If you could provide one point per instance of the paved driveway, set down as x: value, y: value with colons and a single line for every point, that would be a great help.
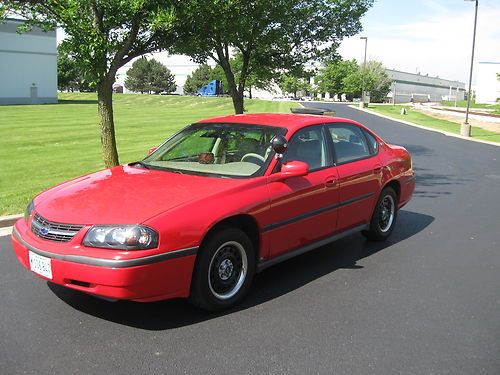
x: 426, y: 302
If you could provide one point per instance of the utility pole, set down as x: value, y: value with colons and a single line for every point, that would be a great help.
x: 362, y: 104
x: 465, y: 127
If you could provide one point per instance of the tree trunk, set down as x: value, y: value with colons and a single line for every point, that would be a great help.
x: 237, y: 101
x: 236, y: 95
x: 106, y: 121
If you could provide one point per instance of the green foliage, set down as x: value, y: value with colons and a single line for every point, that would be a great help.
x: 331, y: 77
x: 201, y: 76
x: 258, y: 78
x: 149, y: 76
x: 160, y: 78
x: 69, y: 74
x: 376, y: 81
x: 137, y: 76
x: 271, y: 36
x: 102, y: 36
x: 292, y: 84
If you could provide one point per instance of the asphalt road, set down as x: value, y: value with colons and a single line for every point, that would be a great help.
x: 426, y: 302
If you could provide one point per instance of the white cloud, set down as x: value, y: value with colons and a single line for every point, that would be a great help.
x: 439, y: 45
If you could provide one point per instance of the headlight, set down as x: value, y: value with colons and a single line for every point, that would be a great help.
x: 124, y: 237
x: 28, y: 211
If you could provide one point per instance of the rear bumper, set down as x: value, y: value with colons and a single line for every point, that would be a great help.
x: 407, y: 189
x: 141, y: 279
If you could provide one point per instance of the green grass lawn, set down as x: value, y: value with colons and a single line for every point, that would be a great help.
x: 473, y: 104
x: 42, y: 145
x: 431, y: 122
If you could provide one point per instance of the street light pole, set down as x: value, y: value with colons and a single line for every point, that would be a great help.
x: 362, y: 104
x: 465, y: 127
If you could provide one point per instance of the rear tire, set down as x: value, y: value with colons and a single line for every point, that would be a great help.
x: 224, y: 270
x: 384, y: 216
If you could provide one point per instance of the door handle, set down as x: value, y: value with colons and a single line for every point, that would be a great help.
x: 377, y: 169
x: 330, y: 181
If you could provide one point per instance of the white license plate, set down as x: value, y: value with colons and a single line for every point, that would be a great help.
x: 40, y: 265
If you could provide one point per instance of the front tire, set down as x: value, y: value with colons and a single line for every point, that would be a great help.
x: 224, y: 270
x: 384, y: 216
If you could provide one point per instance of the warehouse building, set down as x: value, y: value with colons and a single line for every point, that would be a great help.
x: 28, y: 65
x: 411, y: 87
x: 488, y: 83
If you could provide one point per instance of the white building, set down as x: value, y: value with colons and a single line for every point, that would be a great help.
x: 28, y: 65
x: 411, y: 87
x: 488, y: 83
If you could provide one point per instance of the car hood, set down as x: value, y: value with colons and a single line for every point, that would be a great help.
x: 125, y: 195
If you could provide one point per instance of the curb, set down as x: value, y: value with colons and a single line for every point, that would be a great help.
x: 8, y: 221
x: 426, y: 128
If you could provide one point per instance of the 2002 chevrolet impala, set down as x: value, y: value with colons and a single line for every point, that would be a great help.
x: 217, y: 202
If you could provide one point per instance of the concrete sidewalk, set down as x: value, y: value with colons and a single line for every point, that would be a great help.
x: 9, y: 220
x: 6, y: 223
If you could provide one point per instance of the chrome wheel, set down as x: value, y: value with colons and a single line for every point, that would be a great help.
x: 387, y: 209
x: 228, y: 270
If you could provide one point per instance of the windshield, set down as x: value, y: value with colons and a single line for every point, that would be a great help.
x: 224, y: 150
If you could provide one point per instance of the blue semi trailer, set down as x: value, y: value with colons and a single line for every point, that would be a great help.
x: 212, y: 88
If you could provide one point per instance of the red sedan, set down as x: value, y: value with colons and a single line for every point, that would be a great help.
x: 216, y: 203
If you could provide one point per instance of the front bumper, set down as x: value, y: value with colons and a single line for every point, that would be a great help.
x: 155, y: 277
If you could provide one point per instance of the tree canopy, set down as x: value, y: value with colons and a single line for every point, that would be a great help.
x: 271, y: 36
x: 291, y: 84
x: 376, y: 81
x: 331, y: 77
x: 150, y: 76
x: 103, y: 36
x: 199, y: 77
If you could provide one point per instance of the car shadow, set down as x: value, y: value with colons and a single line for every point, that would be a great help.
x: 270, y: 284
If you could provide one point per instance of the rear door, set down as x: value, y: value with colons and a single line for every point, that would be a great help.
x: 304, y: 209
x: 359, y: 174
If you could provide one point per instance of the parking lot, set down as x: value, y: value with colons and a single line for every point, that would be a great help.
x: 425, y: 302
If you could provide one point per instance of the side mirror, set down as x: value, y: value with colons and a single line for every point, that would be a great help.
x: 292, y: 168
x: 151, y: 150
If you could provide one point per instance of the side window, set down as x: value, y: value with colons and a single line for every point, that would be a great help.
x: 349, y: 143
x: 372, y: 142
x: 308, y: 145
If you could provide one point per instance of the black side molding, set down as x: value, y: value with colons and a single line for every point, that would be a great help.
x: 304, y: 249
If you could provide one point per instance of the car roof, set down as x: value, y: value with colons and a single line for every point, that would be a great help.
x: 288, y: 121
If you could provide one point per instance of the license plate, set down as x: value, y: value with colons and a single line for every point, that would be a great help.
x: 40, y: 265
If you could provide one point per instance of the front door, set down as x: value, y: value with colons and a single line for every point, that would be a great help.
x: 304, y: 209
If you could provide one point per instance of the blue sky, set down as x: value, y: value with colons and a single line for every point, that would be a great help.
x: 428, y: 36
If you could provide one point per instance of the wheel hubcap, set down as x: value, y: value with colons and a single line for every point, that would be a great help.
x: 386, y: 213
x: 228, y: 270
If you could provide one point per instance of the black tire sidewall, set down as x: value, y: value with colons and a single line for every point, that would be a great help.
x: 375, y: 232
x: 201, y: 295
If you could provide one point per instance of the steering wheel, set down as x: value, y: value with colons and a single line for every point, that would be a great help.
x: 253, y: 155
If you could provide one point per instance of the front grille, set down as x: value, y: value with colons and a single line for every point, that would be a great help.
x: 52, y: 231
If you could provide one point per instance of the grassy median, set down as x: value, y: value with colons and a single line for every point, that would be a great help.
x: 463, y: 103
x: 430, y: 122
x: 43, y: 145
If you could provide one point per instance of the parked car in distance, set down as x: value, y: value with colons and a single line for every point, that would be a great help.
x: 219, y: 201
